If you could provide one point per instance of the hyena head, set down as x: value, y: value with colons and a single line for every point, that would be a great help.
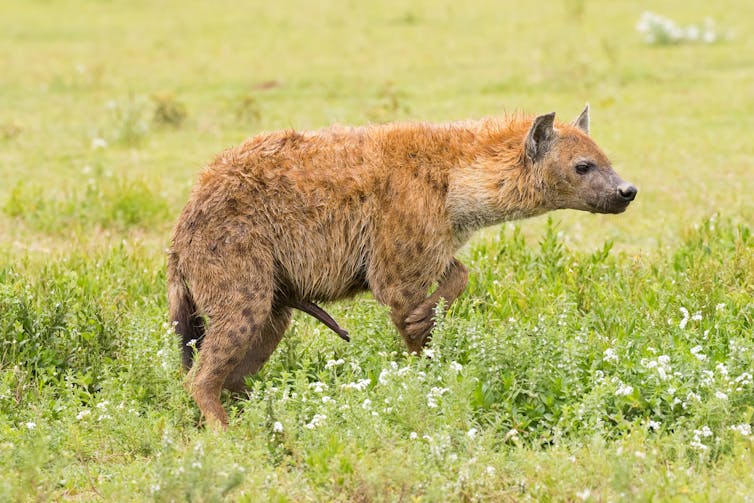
x: 573, y: 170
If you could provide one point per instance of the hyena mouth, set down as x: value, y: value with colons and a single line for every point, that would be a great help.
x: 616, y: 202
x: 613, y: 206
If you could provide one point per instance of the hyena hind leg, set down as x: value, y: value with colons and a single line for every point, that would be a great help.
x: 259, y: 349
x: 231, y: 331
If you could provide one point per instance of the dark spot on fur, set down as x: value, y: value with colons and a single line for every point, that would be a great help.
x: 233, y: 360
x: 247, y: 313
x: 418, y: 248
x: 217, y: 371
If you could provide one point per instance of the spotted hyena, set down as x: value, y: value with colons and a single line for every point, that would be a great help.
x: 291, y: 218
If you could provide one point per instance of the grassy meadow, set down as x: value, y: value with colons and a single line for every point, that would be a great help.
x: 592, y: 358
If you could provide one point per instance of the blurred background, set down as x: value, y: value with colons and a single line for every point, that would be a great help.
x: 108, y: 110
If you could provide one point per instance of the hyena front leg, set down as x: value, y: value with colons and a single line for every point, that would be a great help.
x: 404, y: 290
x: 420, y: 321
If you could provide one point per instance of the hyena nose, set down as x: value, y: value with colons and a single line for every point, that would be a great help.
x: 627, y: 191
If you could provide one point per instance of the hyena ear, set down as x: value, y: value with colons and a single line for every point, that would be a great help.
x: 582, y: 121
x: 540, y: 136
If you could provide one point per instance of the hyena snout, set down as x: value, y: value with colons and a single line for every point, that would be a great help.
x: 627, y: 192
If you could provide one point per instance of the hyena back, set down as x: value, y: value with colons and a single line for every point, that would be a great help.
x: 289, y: 219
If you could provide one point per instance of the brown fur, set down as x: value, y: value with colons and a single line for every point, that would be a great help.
x: 291, y: 218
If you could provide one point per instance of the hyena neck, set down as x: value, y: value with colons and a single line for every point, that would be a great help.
x: 495, y: 187
x: 476, y: 201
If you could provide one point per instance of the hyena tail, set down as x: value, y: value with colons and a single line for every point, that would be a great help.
x: 187, y: 323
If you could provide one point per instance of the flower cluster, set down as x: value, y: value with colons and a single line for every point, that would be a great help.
x: 659, y: 30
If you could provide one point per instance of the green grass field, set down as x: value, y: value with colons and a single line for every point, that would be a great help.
x: 600, y: 358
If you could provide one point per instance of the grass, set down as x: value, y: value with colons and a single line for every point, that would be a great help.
x: 591, y: 358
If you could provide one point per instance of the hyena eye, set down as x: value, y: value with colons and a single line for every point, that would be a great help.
x: 583, y: 168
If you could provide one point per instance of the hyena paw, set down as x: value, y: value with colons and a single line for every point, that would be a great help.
x: 419, y: 322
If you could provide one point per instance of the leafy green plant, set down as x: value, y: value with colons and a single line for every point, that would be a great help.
x: 168, y: 111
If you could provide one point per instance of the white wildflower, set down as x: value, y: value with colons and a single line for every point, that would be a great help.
x: 743, y: 429
x: 744, y: 379
x: 413, y: 435
x: 653, y: 425
x: 697, y: 352
x: 434, y: 394
x: 98, y: 143
x: 490, y: 471
x: 359, y: 385
x: 697, y: 444
x: 334, y: 363
x: 366, y: 404
x: 318, y: 387
x: 685, y: 319
x: 662, y: 373
x: 624, y: 389
x: 30, y: 425
x: 277, y: 427
x: 708, y: 377
x: 610, y: 355
x: 317, y: 420
x: 721, y: 395
x: 455, y: 366
x: 384, y: 374
x: 584, y: 495
x: 722, y: 369
x: 82, y: 414
x: 471, y: 433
